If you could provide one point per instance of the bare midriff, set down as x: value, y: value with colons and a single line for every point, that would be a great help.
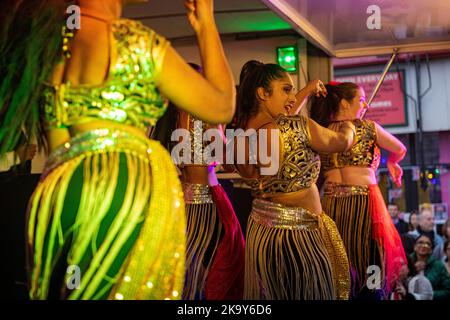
x: 307, y: 198
x: 352, y: 175
x: 199, y: 175
x: 101, y: 124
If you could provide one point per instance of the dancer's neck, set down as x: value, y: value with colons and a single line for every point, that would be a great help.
x: 104, y: 9
x: 344, y: 118
x: 345, y: 115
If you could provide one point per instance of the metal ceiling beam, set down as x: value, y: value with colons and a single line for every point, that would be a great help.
x: 423, y: 47
x: 300, y: 24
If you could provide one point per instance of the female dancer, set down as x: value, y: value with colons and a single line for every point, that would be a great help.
x: 293, y: 251
x: 351, y: 194
x: 109, y: 206
x: 215, y: 244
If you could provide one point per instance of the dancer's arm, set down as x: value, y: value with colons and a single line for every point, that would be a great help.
x: 315, y: 87
x: 56, y: 137
x: 326, y: 140
x: 210, y: 98
x: 396, y: 150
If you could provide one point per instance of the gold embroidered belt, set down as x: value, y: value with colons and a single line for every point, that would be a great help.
x: 195, y: 193
x: 98, y: 141
x: 276, y: 215
x: 334, y: 189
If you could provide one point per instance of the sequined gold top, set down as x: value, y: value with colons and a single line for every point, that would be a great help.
x: 129, y: 94
x: 364, y: 152
x: 299, y: 164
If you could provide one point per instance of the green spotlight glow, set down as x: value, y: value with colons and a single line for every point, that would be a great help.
x: 287, y: 58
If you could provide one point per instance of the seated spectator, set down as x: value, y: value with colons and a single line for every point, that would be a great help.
x: 435, y: 271
x: 401, y: 226
x: 426, y: 227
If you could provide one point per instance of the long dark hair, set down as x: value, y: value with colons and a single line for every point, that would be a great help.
x: 411, y: 227
x: 30, y: 46
x: 254, y: 74
x: 412, y: 269
x: 323, y: 109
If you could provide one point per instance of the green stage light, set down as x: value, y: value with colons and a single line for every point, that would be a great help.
x: 287, y: 58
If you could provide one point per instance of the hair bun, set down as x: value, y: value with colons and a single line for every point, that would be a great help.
x: 249, y: 67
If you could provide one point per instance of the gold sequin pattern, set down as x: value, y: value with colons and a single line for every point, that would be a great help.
x: 156, y: 265
x: 95, y: 141
x: 299, y: 164
x: 154, y: 268
x: 364, y: 152
x: 128, y: 96
x: 275, y: 215
x: 334, y: 189
x: 338, y: 257
x: 196, y: 193
x: 196, y: 130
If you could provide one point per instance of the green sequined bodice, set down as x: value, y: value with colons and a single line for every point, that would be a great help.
x: 129, y: 94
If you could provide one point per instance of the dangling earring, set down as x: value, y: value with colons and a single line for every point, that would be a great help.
x: 67, y: 35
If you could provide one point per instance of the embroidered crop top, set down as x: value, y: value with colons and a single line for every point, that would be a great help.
x: 299, y: 165
x: 197, y: 144
x: 364, y: 152
x: 129, y: 94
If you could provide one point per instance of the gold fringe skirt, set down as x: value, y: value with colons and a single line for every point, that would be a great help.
x: 109, y: 208
x: 348, y: 206
x: 292, y: 253
x: 203, y: 236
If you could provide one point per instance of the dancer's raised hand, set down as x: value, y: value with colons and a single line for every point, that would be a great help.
x: 200, y: 13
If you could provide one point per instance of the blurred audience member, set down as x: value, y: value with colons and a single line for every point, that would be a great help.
x: 433, y: 269
x: 401, y: 226
x: 426, y: 227
x: 447, y: 255
x: 446, y: 230
x: 411, y: 285
x: 408, y: 243
x: 413, y: 220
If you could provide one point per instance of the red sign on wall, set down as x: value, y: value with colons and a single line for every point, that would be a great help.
x: 388, y: 108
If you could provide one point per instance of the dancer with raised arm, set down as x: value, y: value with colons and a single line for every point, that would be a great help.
x: 107, y: 219
x: 351, y: 194
x: 215, y: 243
x: 293, y: 250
